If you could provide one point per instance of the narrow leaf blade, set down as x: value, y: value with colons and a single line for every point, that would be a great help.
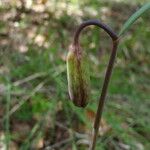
x: 134, y: 17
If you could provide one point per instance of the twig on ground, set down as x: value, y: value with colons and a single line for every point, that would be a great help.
x: 29, y: 78
x: 59, y: 144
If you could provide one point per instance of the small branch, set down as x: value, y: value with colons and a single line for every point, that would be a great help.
x: 59, y: 144
x: 16, y: 107
x: 29, y: 78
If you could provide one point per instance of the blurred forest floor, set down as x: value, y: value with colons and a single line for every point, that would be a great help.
x: 35, y: 110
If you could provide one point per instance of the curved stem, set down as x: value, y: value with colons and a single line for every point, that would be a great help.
x: 111, y: 33
x: 115, y: 41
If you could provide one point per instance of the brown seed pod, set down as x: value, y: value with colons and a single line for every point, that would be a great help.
x: 78, y: 77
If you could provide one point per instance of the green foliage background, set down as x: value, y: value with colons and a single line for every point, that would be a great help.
x: 33, y: 84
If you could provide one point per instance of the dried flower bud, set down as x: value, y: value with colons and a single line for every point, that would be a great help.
x: 78, y: 77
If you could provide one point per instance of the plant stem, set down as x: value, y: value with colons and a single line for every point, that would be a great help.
x: 115, y: 41
x: 7, y: 121
x: 103, y: 94
x: 98, y: 23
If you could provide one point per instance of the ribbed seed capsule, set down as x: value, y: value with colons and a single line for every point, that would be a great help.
x: 78, y: 78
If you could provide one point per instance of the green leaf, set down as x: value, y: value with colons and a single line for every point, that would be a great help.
x: 134, y: 17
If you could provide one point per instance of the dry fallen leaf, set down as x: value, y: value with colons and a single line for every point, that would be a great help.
x: 104, y: 126
x: 21, y: 130
x: 12, y: 145
x: 39, y: 144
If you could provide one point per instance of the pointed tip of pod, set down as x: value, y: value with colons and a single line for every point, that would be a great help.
x: 78, y: 78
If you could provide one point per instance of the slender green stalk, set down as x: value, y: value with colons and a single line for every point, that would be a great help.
x: 7, y: 121
x: 134, y: 17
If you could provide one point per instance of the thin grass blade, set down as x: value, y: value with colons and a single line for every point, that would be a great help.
x: 134, y: 17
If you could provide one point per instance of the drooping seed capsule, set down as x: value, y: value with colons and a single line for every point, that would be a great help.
x: 78, y: 77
